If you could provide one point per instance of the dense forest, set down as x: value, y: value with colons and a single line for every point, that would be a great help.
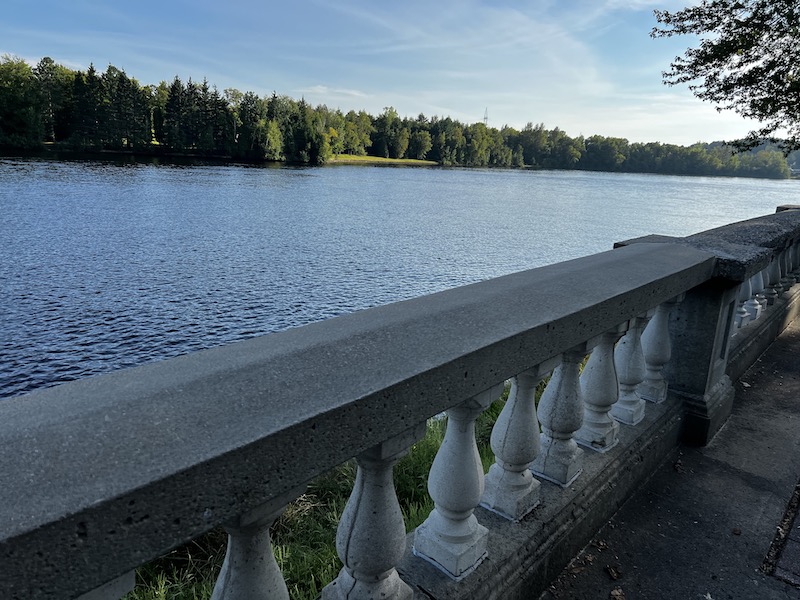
x: 50, y: 105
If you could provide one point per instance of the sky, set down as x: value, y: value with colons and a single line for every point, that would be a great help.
x: 585, y: 66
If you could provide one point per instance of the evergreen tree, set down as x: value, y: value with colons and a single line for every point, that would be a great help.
x: 88, y: 110
x: 173, y: 128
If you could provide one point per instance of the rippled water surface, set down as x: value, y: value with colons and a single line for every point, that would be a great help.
x: 106, y: 266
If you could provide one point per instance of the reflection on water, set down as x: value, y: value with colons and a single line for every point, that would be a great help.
x: 107, y: 266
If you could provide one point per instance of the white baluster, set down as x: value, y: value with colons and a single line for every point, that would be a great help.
x: 629, y: 358
x: 561, y: 415
x: 742, y: 315
x: 657, y: 349
x: 599, y: 388
x: 451, y: 537
x: 791, y: 278
x: 250, y: 570
x: 786, y: 278
x: 510, y: 489
x: 774, y: 288
x: 790, y: 266
x: 371, y: 537
x: 762, y: 297
x: 757, y: 282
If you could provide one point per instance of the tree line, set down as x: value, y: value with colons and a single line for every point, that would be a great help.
x: 50, y: 104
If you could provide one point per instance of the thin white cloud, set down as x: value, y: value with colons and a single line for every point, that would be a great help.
x: 324, y: 90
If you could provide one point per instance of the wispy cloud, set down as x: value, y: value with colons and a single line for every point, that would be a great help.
x: 324, y: 90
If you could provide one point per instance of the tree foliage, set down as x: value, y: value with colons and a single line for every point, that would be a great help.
x: 20, y: 104
x: 111, y: 111
x: 747, y: 60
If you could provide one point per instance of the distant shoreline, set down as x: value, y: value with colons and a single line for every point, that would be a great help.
x: 352, y: 159
x: 61, y: 153
x: 156, y: 155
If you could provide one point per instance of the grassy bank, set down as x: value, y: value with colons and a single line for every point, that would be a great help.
x: 304, y: 536
x: 353, y: 159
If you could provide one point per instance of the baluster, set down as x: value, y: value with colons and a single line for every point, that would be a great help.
x: 561, y: 414
x: 371, y: 537
x: 774, y: 288
x: 511, y: 490
x: 791, y: 278
x: 757, y: 282
x: 451, y: 537
x: 752, y: 305
x: 742, y: 315
x: 796, y: 261
x: 250, y: 569
x: 763, y: 277
x: 629, y: 359
x: 789, y: 254
x: 600, y: 392
x: 657, y: 349
x: 786, y: 279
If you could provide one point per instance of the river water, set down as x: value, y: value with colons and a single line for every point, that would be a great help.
x: 109, y: 265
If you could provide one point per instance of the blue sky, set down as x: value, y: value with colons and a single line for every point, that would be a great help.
x: 586, y: 66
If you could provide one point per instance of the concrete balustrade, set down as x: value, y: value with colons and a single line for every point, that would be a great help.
x: 119, y: 469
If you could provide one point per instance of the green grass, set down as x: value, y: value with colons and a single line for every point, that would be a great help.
x: 304, y: 536
x: 379, y: 160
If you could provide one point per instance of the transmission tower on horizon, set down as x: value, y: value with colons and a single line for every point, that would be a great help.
x: 486, y: 117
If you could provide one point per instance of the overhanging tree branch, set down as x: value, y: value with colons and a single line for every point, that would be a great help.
x: 747, y: 60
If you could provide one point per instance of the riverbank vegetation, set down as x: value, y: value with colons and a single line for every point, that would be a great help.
x: 50, y: 106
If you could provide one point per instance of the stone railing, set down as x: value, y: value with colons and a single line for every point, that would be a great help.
x: 103, y: 475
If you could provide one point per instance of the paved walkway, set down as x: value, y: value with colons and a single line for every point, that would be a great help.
x: 705, y: 523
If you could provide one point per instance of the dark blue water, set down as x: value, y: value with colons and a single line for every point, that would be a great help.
x: 106, y: 266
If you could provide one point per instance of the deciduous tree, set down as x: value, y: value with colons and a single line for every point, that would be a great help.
x: 747, y: 60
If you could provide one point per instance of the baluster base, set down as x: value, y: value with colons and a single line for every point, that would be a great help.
x: 510, y: 495
x: 456, y: 559
x: 560, y: 461
x: 598, y: 439
x: 629, y: 412
x: 754, y: 309
x: 346, y: 586
x: 653, y: 391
